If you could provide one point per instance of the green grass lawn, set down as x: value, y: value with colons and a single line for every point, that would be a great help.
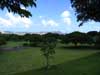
x: 14, y: 44
x: 67, y: 61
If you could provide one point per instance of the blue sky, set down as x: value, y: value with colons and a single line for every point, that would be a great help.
x: 48, y: 16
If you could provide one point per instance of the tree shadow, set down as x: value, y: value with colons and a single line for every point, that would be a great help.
x: 80, y: 47
x: 1, y: 51
x: 89, y: 65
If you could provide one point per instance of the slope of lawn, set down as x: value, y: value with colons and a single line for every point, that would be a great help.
x: 30, y: 61
x: 89, y: 65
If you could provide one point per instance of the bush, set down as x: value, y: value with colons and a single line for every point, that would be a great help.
x: 25, y: 44
x: 34, y: 44
x: 2, y: 41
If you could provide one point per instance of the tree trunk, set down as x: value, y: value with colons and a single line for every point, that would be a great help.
x: 47, y: 62
x: 75, y: 44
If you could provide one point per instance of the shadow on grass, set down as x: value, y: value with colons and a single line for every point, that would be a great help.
x: 84, y: 66
x: 1, y: 51
x: 80, y: 47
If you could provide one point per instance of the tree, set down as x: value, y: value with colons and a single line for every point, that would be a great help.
x: 55, y: 35
x: 65, y: 39
x: 35, y: 40
x: 2, y: 41
x: 93, y: 35
x: 97, y: 40
x: 87, y: 10
x: 47, y: 49
x: 15, y: 6
x: 77, y: 37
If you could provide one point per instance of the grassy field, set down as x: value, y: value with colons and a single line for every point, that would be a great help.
x: 68, y: 62
x: 13, y: 44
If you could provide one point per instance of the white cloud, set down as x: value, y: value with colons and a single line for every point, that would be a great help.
x: 52, y: 23
x: 67, y: 20
x: 49, y: 22
x: 40, y: 17
x: 26, y: 21
x: 14, y: 20
x: 66, y: 17
x: 65, y: 14
x: 5, y: 22
x: 43, y: 22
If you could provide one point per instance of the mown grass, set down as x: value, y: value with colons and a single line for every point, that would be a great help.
x: 89, y: 65
x: 68, y: 62
x: 14, y: 44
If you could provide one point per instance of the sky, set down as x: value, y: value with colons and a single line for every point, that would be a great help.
x: 48, y: 16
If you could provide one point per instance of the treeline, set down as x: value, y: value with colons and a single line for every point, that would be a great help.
x: 91, y: 38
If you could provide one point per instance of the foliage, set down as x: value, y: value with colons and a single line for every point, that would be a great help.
x: 15, y: 6
x: 2, y: 41
x: 93, y: 35
x: 77, y: 37
x: 54, y: 35
x: 86, y: 10
x: 35, y: 40
x: 47, y: 49
x: 25, y: 44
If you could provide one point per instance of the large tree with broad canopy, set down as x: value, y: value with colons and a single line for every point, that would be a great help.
x: 15, y: 6
x: 86, y: 10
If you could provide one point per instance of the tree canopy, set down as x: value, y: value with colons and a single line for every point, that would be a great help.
x: 86, y: 10
x: 15, y: 6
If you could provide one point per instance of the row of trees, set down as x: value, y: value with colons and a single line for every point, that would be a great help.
x: 91, y: 38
